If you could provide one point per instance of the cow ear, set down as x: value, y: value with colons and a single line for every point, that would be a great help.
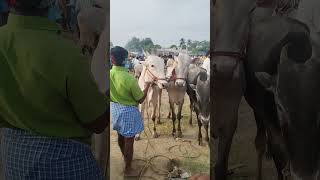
x: 266, y: 80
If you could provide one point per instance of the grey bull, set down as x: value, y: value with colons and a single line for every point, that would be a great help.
x: 233, y: 76
x: 177, y: 70
x: 198, y: 89
x: 296, y: 87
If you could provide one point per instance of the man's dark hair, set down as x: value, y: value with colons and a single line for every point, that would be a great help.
x: 119, y: 54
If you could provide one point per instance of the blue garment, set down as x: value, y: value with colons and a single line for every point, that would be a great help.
x: 54, y: 12
x: 126, y: 120
x: 30, y: 157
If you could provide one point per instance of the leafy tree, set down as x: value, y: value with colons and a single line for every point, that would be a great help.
x: 182, y: 42
x: 157, y: 46
x: 174, y: 46
x: 147, y: 44
x: 189, y: 42
x: 133, y: 45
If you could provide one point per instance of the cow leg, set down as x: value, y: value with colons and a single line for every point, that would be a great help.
x: 142, y: 108
x: 153, y: 117
x: 101, y: 149
x: 190, y: 118
x: 173, y: 119
x: 225, y: 111
x: 274, y: 145
x: 199, y: 133
x: 159, y: 106
x: 169, y: 115
x: 260, y: 143
x: 179, y: 119
x: 206, y: 127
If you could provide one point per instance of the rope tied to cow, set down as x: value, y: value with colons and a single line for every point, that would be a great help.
x: 154, y: 77
x: 149, y: 162
x: 174, y: 77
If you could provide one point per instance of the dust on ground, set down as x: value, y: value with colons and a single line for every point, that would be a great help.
x: 242, y: 150
x: 191, y: 157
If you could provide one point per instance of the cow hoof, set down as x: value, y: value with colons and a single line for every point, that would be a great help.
x: 200, y: 143
x: 180, y: 134
x: 137, y: 138
x: 158, y: 122
x: 155, y: 135
x: 174, y: 134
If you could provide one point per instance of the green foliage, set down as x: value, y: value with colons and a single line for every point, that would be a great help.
x: 195, y: 47
x: 174, y: 46
x: 182, y: 42
x: 135, y: 44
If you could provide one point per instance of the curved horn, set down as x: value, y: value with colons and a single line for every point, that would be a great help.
x: 299, y: 48
x: 296, y: 45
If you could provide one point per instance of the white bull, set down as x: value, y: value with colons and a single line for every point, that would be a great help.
x: 177, y: 71
x: 138, y: 68
x: 91, y: 22
x: 153, y: 71
x: 98, y: 69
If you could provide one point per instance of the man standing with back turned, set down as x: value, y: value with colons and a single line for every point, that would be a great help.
x: 125, y: 95
x: 50, y: 104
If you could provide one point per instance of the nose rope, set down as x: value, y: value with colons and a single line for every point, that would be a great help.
x: 154, y: 77
x: 173, y: 76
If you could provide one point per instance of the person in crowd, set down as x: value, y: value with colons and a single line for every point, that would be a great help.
x: 50, y: 104
x: 125, y: 96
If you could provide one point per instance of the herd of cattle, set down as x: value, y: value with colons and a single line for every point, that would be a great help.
x: 180, y: 75
x: 270, y: 55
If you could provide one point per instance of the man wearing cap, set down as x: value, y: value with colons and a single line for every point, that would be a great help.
x: 50, y: 104
x: 125, y: 95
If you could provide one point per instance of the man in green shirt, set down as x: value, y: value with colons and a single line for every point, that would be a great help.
x: 50, y: 104
x: 125, y: 95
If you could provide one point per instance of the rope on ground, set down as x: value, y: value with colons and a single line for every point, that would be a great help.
x: 186, y: 153
x: 149, y: 162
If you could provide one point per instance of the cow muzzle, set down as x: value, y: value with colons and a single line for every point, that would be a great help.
x: 180, y: 83
x: 162, y: 84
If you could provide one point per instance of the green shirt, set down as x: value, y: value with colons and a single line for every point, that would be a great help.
x: 124, y: 88
x: 46, y: 85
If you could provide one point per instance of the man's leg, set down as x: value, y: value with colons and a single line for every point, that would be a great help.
x: 128, y: 153
x: 121, y: 143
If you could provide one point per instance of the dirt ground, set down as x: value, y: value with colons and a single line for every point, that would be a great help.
x: 242, y: 150
x: 191, y: 157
